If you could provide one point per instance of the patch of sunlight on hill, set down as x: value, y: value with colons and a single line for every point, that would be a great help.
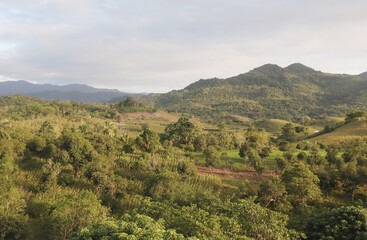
x: 271, y: 125
x: 355, y: 129
x: 319, y: 124
x: 275, y: 125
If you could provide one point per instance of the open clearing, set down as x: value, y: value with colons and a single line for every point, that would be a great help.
x: 245, y: 174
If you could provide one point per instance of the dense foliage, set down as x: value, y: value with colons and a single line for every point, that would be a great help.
x: 71, y: 171
x: 269, y: 91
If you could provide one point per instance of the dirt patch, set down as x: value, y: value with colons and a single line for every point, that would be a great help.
x: 248, y: 174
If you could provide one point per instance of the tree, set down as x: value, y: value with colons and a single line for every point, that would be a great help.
x: 223, y: 136
x: 255, y: 141
x: 4, y: 134
x: 64, y: 212
x: 212, y: 156
x: 301, y: 185
x: 78, y: 148
x: 148, y: 141
x: 47, y: 128
x: 339, y: 223
x: 13, y: 220
x: 258, y: 222
x: 332, y: 153
x: 254, y: 149
x: 355, y: 114
x: 328, y: 179
x: 353, y: 176
x: 139, y: 227
x: 181, y: 132
x: 200, y: 143
x: 288, y: 132
x: 272, y: 192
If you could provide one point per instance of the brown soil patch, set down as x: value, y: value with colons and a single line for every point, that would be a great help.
x: 248, y: 174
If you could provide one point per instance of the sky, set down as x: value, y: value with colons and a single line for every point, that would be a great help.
x: 161, y: 45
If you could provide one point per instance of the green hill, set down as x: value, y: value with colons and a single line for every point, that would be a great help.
x: 351, y: 130
x: 269, y: 92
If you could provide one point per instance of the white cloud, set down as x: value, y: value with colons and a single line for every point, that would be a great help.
x: 159, y: 45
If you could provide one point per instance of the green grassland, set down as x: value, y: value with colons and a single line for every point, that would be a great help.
x: 274, y: 126
x: 353, y: 130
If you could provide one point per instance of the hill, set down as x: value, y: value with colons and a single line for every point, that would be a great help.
x: 268, y: 91
x: 71, y: 92
x: 363, y: 75
x: 351, y: 130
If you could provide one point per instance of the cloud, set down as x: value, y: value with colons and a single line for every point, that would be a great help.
x: 160, y: 45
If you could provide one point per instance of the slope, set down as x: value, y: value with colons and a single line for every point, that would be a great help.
x: 351, y: 130
x: 268, y: 92
x: 71, y: 92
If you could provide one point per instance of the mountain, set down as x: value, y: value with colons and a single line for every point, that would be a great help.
x: 269, y: 91
x: 71, y: 92
x: 363, y: 75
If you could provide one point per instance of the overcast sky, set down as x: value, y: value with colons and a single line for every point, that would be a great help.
x: 160, y: 45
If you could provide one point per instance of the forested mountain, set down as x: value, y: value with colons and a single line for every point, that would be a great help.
x: 71, y: 92
x: 269, y: 91
x: 363, y: 75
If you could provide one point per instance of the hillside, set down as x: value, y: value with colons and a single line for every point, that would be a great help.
x: 276, y: 125
x: 269, y: 92
x: 349, y: 131
x: 71, y: 92
x: 72, y: 170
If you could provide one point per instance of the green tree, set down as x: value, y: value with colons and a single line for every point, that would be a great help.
x: 258, y: 222
x: 223, y: 136
x: 301, y: 185
x: 272, y: 193
x: 355, y: 114
x: 139, y: 227
x: 181, y: 132
x: 64, y: 212
x: 78, y: 148
x: 13, y: 220
x: 212, y: 156
x: 200, y: 143
x: 288, y: 132
x: 148, y: 141
x: 339, y: 223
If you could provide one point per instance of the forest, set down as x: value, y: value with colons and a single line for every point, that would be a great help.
x: 269, y: 91
x: 80, y: 171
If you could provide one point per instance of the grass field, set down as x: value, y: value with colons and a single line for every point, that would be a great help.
x: 231, y: 159
x: 319, y: 124
x: 352, y: 130
x: 275, y: 126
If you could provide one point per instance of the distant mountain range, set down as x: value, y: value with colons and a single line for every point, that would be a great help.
x: 269, y: 91
x: 71, y: 92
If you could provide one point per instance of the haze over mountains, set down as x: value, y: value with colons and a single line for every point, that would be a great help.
x: 71, y: 92
x: 269, y: 91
